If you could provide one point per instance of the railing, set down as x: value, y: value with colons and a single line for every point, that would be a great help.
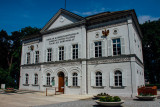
x: 51, y: 88
x: 148, y: 90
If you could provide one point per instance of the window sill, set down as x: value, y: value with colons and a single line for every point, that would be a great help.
x: 35, y: 85
x: 74, y: 86
x: 47, y: 85
x: 117, y: 87
x: 98, y: 86
x: 26, y: 84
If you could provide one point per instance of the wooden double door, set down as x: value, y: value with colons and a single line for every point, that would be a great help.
x: 61, y: 82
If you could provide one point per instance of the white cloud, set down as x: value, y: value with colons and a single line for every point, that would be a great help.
x: 144, y: 18
x: 91, y: 12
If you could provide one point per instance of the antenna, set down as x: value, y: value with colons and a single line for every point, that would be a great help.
x: 65, y: 4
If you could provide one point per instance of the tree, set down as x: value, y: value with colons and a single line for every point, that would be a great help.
x: 151, y: 50
x: 10, y: 51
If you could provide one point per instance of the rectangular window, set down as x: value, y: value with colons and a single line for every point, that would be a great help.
x: 49, y: 55
x: 75, y: 51
x: 37, y: 57
x: 98, y: 49
x: 61, y: 53
x: 28, y: 58
x: 116, y: 46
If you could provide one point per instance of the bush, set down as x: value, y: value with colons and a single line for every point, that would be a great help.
x: 116, y: 99
x: 102, y: 94
x: 110, y: 99
x: 151, y: 85
x: 102, y: 99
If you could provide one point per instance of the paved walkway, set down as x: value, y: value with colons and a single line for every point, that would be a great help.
x: 33, y: 98
x: 38, y: 99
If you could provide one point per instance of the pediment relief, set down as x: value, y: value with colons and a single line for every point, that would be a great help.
x: 60, y: 19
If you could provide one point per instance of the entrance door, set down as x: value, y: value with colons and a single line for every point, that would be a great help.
x: 61, y: 82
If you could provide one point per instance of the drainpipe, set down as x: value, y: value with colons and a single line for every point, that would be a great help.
x: 130, y: 61
x: 86, y: 62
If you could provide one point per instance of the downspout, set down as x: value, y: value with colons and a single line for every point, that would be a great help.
x: 130, y: 61
x: 86, y: 61
x: 20, y: 67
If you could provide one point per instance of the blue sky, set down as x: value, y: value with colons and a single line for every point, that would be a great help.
x: 17, y: 14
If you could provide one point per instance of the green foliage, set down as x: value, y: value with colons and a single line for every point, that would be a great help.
x: 116, y: 99
x: 151, y: 50
x: 158, y: 85
x: 103, y: 99
x: 110, y: 99
x: 10, y: 52
x: 141, y: 94
x: 102, y: 94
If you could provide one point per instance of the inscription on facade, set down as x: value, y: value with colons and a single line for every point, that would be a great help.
x: 63, y: 38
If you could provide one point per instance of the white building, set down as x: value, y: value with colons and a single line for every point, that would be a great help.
x: 85, y: 55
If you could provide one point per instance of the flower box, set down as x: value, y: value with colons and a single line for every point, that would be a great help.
x: 9, y: 90
x: 110, y: 104
x: 146, y: 97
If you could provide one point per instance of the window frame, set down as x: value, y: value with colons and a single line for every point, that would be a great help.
x: 98, y: 79
x: 48, y: 79
x: 75, y: 51
x: 28, y: 57
x: 116, y: 43
x: 98, y: 49
x: 49, y: 54
x: 75, y: 79
x: 36, y: 79
x: 118, y: 81
x: 37, y: 57
x: 61, y: 53
x: 26, y: 78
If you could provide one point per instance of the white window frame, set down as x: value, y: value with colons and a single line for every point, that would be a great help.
x: 36, y: 79
x: 37, y: 57
x: 99, y: 49
x: 61, y: 53
x: 28, y: 58
x: 48, y: 79
x: 75, y: 79
x: 27, y: 78
x: 75, y: 51
x: 116, y: 52
x: 118, y: 82
x: 49, y: 54
x: 98, y: 78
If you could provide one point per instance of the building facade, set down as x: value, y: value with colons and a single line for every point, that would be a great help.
x: 85, y: 55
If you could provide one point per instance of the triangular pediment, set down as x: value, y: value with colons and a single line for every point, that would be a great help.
x: 62, y: 18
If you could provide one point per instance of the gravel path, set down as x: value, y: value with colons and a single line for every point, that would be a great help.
x: 91, y: 103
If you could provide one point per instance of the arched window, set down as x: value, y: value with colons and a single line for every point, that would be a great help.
x: 98, y: 78
x: 35, y: 78
x: 48, y: 79
x: 75, y: 79
x: 118, y: 78
x: 27, y: 77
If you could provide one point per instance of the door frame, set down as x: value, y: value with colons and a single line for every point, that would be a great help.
x: 61, y: 74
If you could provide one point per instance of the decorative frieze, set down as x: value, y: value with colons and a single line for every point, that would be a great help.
x: 31, y: 67
x: 63, y: 64
x: 111, y: 60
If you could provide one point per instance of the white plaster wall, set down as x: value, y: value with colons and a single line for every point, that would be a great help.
x: 54, y: 73
x: 139, y: 76
x: 26, y: 48
x: 79, y: 39
x: 106, y: 69
x: 137, y: 44
x: 30, y: 72
x: 135, y: 41
x: 122, y: 33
